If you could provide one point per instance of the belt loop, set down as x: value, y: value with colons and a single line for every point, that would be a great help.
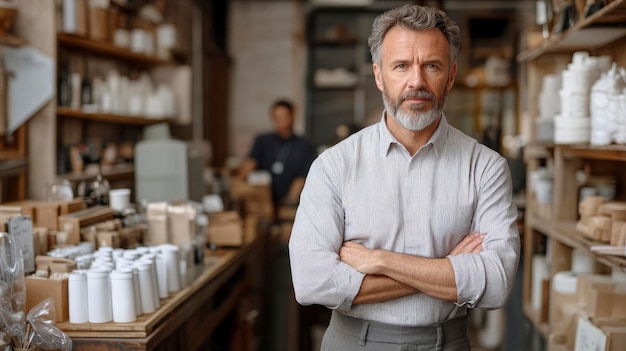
x: 363, y: 334
x: 439, y: 337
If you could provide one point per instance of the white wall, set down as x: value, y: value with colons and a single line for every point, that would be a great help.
x: 268, y: 49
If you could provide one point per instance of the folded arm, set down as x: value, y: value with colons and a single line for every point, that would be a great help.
x: 391, y: 275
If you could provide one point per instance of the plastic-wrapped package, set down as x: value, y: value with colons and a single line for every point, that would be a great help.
x: 24, y: 331
x: 12, y: 287
x: 45, y: 335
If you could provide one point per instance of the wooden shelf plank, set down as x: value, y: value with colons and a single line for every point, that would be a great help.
x: 567, y: 234
x: 107, y: 49
x: 109, y: 118
x: 590, y: 152
x: 11, y: 40
x: 15, y: 146
x: 12, y: 167
x: 123, y: 170
x: 595, y: 31
x: 538, y: 150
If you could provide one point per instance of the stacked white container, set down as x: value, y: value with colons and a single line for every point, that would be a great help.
x: 607, y: 107
x: 573, y: 125
x: 549, y: 106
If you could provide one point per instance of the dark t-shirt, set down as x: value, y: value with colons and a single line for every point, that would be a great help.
x: 285, y: 159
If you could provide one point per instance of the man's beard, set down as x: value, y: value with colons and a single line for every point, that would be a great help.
x: 416, y: 118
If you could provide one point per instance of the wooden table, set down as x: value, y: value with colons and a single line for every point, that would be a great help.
x: 187, y: 320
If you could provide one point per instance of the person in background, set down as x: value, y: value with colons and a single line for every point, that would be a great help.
x: 282, y: 153
x: 407, y: 223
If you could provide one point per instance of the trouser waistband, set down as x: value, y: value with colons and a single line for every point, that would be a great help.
x: 435, y: 334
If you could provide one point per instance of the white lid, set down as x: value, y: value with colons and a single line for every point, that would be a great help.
x: 123, y: 191
x: 97, y: 274
x: 76, y: 276
x: 142, y: 265
x: 168, y: 247
x: 565, y: 282
x: 121, y: 275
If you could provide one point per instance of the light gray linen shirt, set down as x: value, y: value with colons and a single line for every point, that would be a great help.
x: 368, y: 189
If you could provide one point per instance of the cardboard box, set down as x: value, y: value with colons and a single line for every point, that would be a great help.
x: 46, y: 214
x: 600, y: 335
x: 181, y: 223
x: 71, y: 223
x: 6, y: 213
x: 38, y: 289
x: 256, y: 199
x: 225, y: 229
x: 584, y: 282
x: 606, y: 300
x: 157, y: 223
x: 40, y: 239
x: 52, y: 265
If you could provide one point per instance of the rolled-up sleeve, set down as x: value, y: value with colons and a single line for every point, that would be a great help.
x: 485, y: 280
x: 319, y: 277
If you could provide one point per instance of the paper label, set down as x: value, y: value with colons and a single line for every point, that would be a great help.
x: 21, y: 228
x: 589, y: 337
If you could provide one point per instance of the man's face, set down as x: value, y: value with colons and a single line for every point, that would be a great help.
x: 283, y: 121
x: 415, y: 75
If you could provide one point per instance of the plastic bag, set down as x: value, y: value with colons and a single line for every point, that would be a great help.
x: 45, y: 335
x: 37, y: 328
x: 12, y: 288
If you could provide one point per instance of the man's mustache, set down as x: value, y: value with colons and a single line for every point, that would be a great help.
x: 417, y: 94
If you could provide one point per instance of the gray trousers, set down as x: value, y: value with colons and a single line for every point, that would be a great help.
x: 352, y: 334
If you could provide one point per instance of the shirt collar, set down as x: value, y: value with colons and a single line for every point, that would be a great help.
x: 437, y: 140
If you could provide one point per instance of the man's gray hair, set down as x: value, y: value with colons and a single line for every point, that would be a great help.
x: 414, y: 17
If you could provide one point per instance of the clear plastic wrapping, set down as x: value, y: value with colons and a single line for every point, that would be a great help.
x: 24, y: 331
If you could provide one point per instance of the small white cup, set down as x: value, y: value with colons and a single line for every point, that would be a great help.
x: 119, y: 199
x: 212, y: 203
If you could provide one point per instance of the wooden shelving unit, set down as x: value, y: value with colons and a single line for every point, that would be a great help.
x: 13, y: 163
x: 566, y: 233
x: 601, y: 153
x: 538, y: 150
x: 336, y: 39
x: 542, y: 327
x: 108, y: 118
x: 539, y: 222
x: 122, y: 170
x: 108, y: 50
x: 79, y: 122
x: 602, y: 33
x: 600, y: 29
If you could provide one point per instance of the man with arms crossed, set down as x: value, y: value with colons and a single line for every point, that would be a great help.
x: 381, y: 235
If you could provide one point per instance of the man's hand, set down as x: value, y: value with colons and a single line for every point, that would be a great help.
x: 359, y: 257
x: 472, y: 243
